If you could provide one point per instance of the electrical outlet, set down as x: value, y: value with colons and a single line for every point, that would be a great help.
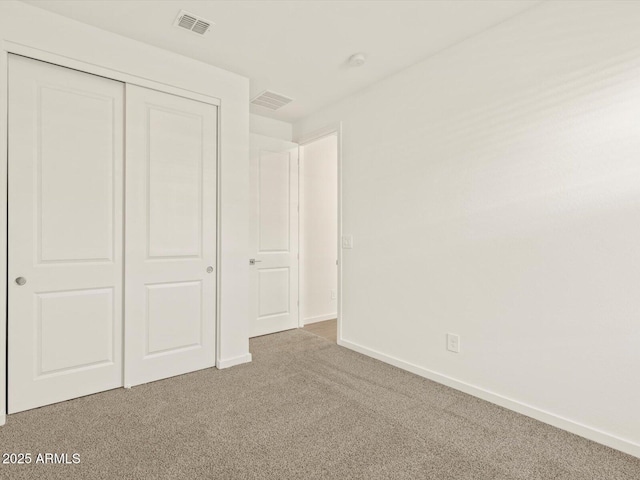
x: 347, y: 241
x: 334, y: 294
x: 453, y: 342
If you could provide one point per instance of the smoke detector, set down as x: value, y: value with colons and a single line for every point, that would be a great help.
x: 271, y: 100
x: 193, y: 23
x: 357, y: 59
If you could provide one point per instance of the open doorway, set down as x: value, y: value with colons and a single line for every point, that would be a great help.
x: 318, y: 239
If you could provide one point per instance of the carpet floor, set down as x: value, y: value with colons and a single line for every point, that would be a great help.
x: 305, y: 408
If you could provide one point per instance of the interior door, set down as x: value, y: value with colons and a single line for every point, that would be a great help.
x: 65, y: 233
x: 170, y: 264
x: 273, y: 274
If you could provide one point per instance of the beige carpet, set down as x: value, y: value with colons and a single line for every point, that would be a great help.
x: 305, y: 408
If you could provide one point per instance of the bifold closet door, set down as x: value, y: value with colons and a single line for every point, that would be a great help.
x: 65, y: 233
x: 170, y: 288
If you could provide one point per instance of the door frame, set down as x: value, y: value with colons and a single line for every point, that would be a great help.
x: 332, y: 129
x: 7, y: 48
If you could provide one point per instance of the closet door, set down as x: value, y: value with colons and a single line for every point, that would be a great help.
x: 65, y: 233
x: 170, y: 235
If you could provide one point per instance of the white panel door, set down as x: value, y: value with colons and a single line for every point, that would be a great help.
x: 170, y: 262
x: 65, y: 233
x: 273, y: 283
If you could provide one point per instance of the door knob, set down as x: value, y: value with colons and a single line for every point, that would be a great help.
x: 253, y: 261
x: 209, y: 269
x: 21, y: 281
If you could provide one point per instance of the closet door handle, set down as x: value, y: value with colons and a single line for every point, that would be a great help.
x: 253, y: 261
x: 209, y: 269
x: 21, y: 281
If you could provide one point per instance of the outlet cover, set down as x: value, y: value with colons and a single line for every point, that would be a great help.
x: 347, y: 241
x: 453, y: 342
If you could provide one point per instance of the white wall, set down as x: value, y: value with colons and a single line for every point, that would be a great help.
x: 270, y: 127
x: 318, y: 229
x: 493, y: 191
x: 26, y: 25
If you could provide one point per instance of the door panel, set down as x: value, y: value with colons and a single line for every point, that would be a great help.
x: 166, y: 303
x: 274, y: 235
x: 170, y: 235
x: 75, y: 186
x: 65, y: 317
x: 175, y: 187
x: 65, y: 233
x: 273, y: 291
x: 274, y: 202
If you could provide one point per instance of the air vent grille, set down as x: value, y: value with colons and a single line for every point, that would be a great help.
x: 192, y: 22
x: 271, y: 100
x: 187, y: 21
x: 201, y: 27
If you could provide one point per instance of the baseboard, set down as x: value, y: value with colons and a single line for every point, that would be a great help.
x: 232, y: 362
x: 585, y: 431
x: 319, y: 318
x: 3, y: 419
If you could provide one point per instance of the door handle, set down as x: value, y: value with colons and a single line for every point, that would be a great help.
x: 21, y: 281
x: 253, y: 261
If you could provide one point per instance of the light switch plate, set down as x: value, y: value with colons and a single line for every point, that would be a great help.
x: 347, y: 241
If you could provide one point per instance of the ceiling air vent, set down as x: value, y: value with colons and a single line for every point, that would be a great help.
x: 192, y: 22
x: 271, y: 100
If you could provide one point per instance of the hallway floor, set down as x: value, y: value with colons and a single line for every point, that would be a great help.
x: 327, y: 329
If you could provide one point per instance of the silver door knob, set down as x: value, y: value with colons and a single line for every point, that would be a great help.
x: 209, y: 269
x: 21, y: 281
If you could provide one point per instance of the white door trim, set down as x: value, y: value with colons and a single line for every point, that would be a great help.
x: 332, y: 129
x: 8, y: 47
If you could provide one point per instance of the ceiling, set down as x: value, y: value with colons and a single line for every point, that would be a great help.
x: 299, y: 48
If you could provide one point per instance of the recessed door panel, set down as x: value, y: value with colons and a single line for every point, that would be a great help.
x: 274, y: 190
x: 75, y: 174
x: 170, y: 235
x: 175, y: 182
x: 74, y: 330
x: 65, y: 233
x: 273, y: 291
x: 166, y: 303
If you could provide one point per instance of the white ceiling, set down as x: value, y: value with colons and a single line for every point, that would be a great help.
x: 299, y: 48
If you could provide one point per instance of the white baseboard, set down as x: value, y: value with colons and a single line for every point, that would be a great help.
x: 232, y: 362
x: 3, y: 419
x: 585, y: 431
x: 319, y: 318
